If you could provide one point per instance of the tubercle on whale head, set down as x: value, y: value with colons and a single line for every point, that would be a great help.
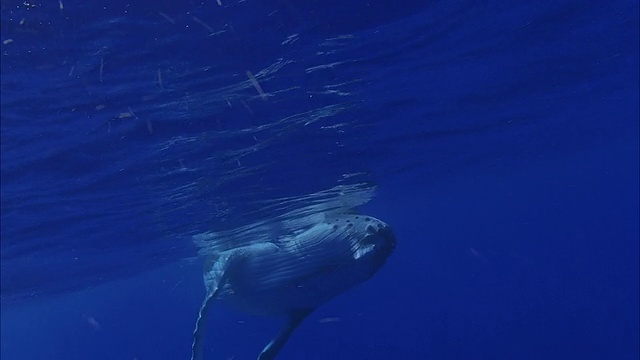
x: 378, y: 241
x: 385, y: 240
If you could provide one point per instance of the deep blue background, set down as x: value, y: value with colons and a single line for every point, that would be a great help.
x: 503, y: 139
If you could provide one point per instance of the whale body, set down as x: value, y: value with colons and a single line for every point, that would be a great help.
x: 291, y: 274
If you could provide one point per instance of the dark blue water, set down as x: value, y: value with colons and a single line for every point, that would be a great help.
x: 501, y: 140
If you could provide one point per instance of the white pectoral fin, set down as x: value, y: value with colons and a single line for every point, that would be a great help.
x: 273, y: 348
x: 215, y: 276
x: 199, y: 331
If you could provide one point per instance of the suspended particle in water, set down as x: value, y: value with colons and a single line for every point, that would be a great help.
x: 160, y: 79
x: 206, y: 26
x: 101, y: 68
x: 167, y: 17
x: 94, y: 323
x: 329, y: 320
x: 256, y: 85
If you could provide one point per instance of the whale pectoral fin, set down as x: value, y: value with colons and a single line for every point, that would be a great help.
x: 199, y: 331
x: 215, y: 276
x: 273, y: 348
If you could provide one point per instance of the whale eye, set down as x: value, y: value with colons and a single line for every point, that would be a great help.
x: 371, y: 230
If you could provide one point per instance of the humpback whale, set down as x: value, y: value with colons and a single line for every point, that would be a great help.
x: 290, y: 273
